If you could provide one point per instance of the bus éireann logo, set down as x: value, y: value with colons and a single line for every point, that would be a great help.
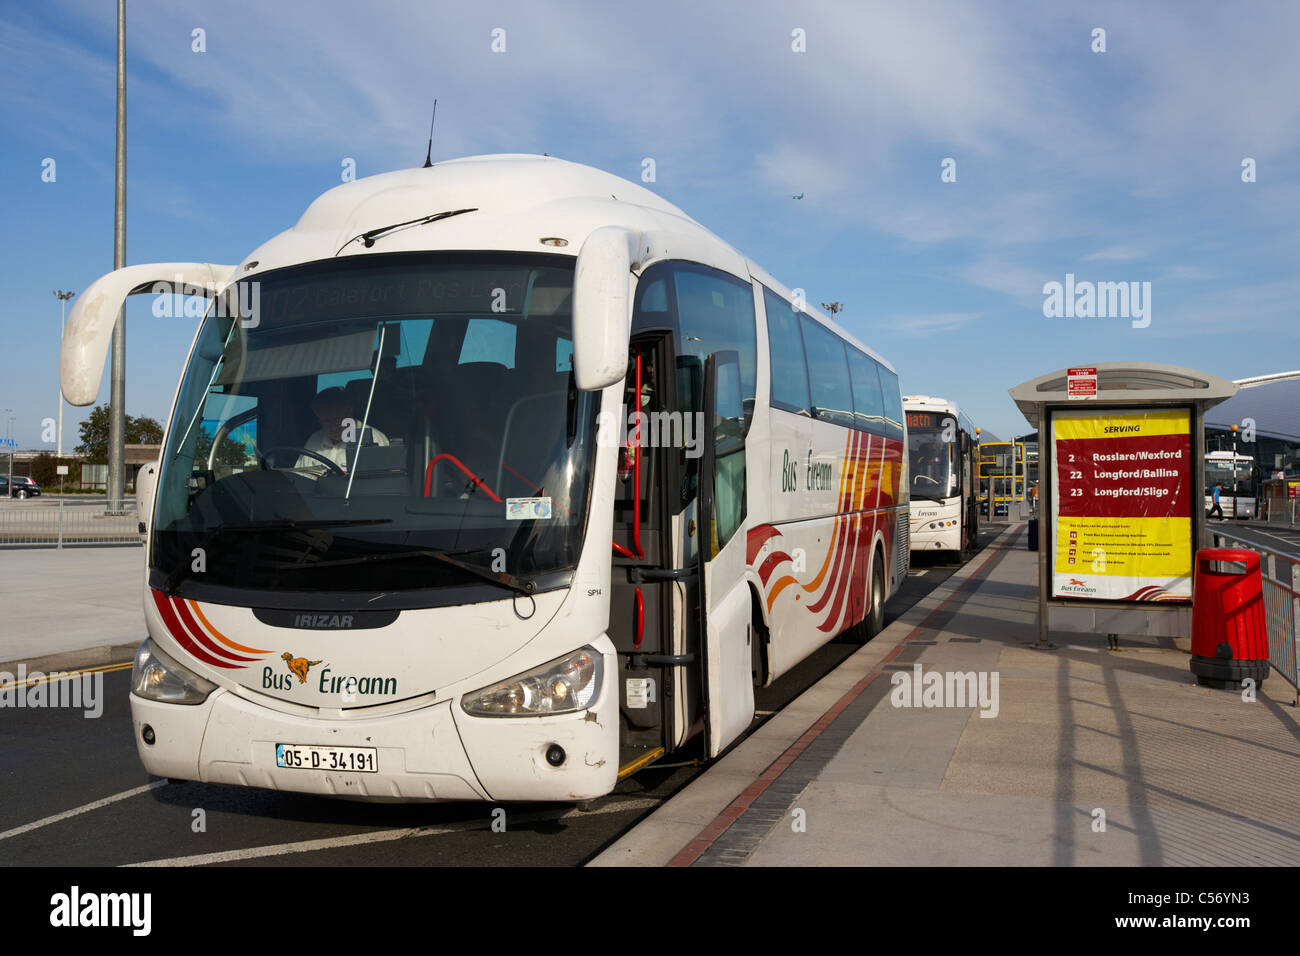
x: 299, y: 666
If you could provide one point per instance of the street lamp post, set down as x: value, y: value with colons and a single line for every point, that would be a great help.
x: 117, y: 386
x: 63, y: 298
x: 9, y: 442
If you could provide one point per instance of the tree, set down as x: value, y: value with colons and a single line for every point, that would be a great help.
x: 229, y: 452
x: 45, y: 470
x: 94, y: 434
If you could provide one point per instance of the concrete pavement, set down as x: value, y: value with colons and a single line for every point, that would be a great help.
x: 72, y: 608
x: 1093, y: 757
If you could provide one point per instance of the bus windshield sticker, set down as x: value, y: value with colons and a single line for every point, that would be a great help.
x: 525, y: 509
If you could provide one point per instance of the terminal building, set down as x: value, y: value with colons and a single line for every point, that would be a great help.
x: 1273, y: 409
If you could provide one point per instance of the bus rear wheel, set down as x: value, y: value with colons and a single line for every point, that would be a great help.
x: 874, y: 620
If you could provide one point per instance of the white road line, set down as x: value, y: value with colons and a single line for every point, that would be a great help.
x: 387, y: 836
x: 125, y: 794
x: 1265, y: 534
x: 1269, y: 534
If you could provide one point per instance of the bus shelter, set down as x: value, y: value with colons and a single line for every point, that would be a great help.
x: 1122, y: 451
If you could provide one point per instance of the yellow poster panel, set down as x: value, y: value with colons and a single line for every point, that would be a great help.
x: 1124, y: 559
x: 1129, y: 424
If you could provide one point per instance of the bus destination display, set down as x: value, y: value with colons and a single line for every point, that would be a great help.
x: 923, y: 420
x: 1122, y: 505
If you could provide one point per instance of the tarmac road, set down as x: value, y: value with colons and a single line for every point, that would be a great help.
x: 1285, y: 540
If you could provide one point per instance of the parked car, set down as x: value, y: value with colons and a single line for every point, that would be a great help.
x: 22, y: 487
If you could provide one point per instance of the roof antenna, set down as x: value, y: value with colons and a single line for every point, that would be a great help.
x: 428, y: 157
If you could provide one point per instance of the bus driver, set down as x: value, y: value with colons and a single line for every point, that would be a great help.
x: 338, y: 428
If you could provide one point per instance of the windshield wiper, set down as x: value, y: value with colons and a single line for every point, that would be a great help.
x: 501, y: 578
x: 368, y: 238
x: 181, y: 571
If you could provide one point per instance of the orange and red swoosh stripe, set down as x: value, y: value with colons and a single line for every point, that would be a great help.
x: 185, y: 622
x: 844, y: 568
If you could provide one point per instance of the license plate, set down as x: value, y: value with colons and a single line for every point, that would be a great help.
x: 350, y: 759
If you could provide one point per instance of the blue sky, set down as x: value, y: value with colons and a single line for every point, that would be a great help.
x: 1117, y: 166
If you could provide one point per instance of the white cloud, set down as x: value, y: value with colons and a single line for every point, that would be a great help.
x: 1116, y: 254
x: 1021, y: 283
x: 921, y: 325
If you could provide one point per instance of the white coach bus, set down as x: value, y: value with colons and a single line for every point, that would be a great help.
x: 404, y: 544
x: 1235, y: 475
x: 944, y: 453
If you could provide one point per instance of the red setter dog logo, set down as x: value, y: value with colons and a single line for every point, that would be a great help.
x: 298, y: 665
x: 1075, y: 581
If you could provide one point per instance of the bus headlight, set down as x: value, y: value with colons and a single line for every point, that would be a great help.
x: 562, y: 686
x: 156, y: 676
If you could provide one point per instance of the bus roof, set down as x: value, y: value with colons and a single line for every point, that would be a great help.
x: 516, y: 201
x: 930, y: 403
x: 1228, y: 456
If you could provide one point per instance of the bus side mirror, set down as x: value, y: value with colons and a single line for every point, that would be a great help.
x: 94, y: 315
x: 602, y: 307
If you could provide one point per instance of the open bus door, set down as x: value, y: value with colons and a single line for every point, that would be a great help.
x: 685, y: 648
x: 724, y: 606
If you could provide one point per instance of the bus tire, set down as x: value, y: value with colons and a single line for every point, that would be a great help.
x: 873, y: 622
x: 875, y: 619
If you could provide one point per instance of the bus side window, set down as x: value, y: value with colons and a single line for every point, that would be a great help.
x: 893, y: 403
x: 789, y: 369
x: 828, y: 374
x: 869, y: 407
x: 715, y: 312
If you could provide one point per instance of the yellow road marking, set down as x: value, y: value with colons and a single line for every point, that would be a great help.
x: 67, y: 675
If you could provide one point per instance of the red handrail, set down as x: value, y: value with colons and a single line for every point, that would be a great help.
x: 428, y: 475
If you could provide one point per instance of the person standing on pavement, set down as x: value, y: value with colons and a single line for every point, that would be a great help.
x: 1033, y: 498
x: 1214, y: 496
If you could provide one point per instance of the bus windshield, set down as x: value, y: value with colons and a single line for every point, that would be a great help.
x: 381, y: 423
x: 933, y: 473
x: 1232, y: 478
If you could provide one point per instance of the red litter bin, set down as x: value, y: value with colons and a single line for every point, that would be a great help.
x: 1229, y: 631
